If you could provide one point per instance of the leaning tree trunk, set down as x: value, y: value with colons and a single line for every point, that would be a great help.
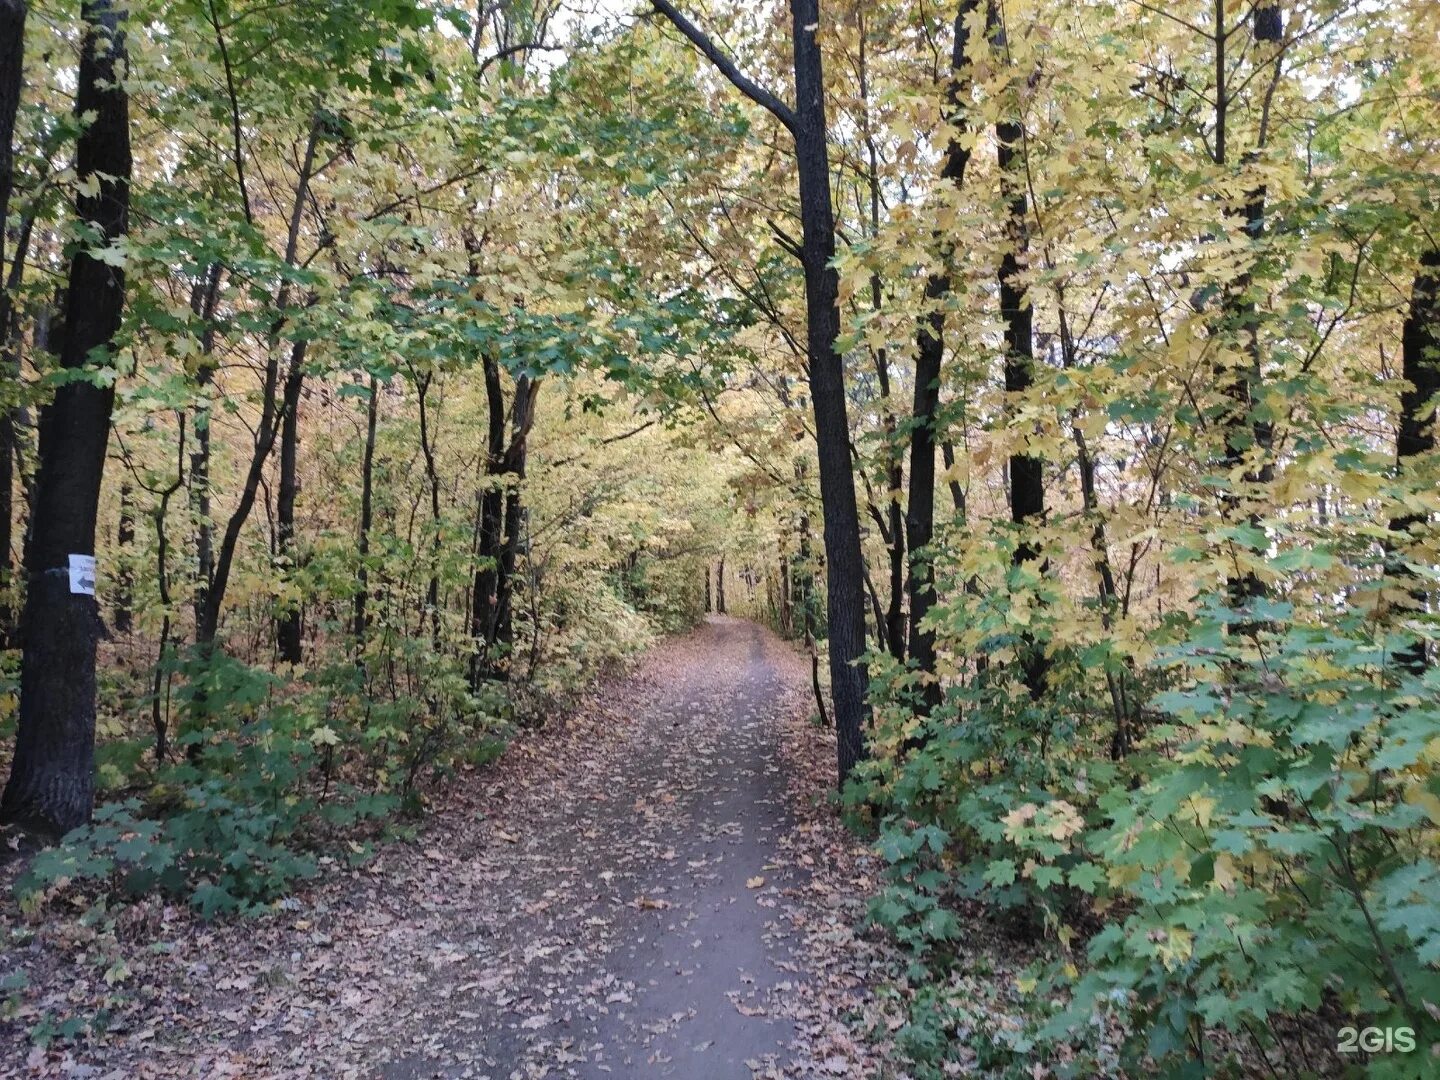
x: 1420, y: 362
x: 51, y: 788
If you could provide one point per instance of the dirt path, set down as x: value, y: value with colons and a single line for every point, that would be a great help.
x: 654, y: 947
x: 649, y: 888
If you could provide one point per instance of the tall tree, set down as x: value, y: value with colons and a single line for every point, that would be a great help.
x: 1027, y: 471
x: 929, y: 353
x: 51, y: 788
x: 12, y: 65
x: 845, y: 592
x: 1248, y: 434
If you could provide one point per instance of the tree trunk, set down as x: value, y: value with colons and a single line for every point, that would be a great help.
x: 432, y: 477
x: 207, y: 624
x: 720, y: 587
x: 1027, y: 477
x: 289, y: 624
x: 203, y: 300
x: 502, y: 516
x: 12, y: 58
x: 522, y: 419
x: 1415, y: 439
x: 892, y: 623
x: 845, y: 595
x: 845, y: 591
x: 269, y: 429
x: 930, y: 349
x: 1243, y: 430
x: 367, y: 513
x: 124, y: 573
x: 51, y: 784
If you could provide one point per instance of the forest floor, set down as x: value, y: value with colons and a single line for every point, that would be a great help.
x: 654, y: 885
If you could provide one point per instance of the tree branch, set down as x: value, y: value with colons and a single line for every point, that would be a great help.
x: 712, y: 52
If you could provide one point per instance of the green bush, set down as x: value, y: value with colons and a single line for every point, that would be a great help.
x: 1266, y: 850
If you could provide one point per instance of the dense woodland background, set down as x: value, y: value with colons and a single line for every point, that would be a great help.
x: 1061, y: 376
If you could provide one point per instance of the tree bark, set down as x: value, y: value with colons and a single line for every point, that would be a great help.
x: 929, y: 353
x: 1027, y: 475
x: 432, y: 478
x: 289, y: 624
x: 522, y: 419
x: 1242, y: 428
x: 1415, y: 439
x: 367, y: 514
x: 492, y: 523
x: 12, y: 62
x: 203, y: 300
x: 207, y: 624
x: 845, y: 595
x: 51, y: 785
x: 124, y: 573
x: 502, y: 520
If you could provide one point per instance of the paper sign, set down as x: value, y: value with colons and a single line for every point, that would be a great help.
x: 82, y: 574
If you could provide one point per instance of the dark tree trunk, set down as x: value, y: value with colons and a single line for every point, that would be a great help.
x: 1416, y: 436
x: 12, y: 64
x: 269, y: 429
x: 845, y: 591
x: 51, y: 787
x: 289, y: 623
x: 720, y: 587
x: 367, y: 513
x: 492, y: 523
x: 203, y: 301
x: 709, y: 602
x: 502, y: 520
x: 845, y: 595
x: 1027, y: 477
x: 930, y: 349
x: 1243, y: 430
x: 124, y: 573
x: 12, y: 57
x: 806, y: 584
x: 432, y: 477
x: 522, y: 419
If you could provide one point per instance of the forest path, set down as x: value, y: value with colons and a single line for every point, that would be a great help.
x: 651, y: 885
x: 645, y: 921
